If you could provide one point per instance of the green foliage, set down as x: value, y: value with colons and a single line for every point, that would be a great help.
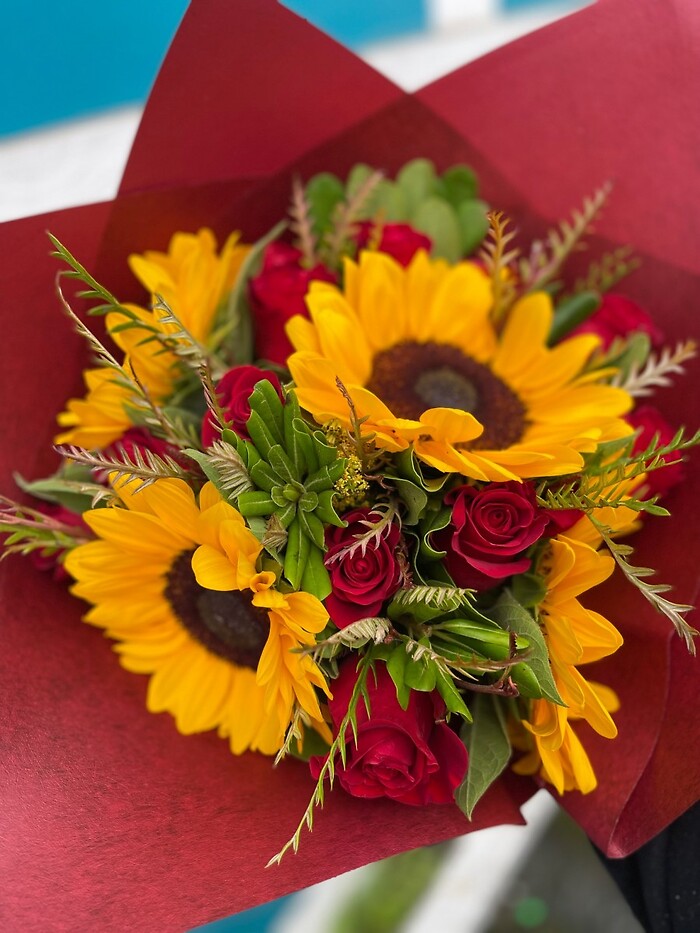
x: 337, y: 749
x: 325, y: 214
x: 293, y: 471
x: 486, y: 738
x: 533, y: 679
x: 570, y: 312
x: 652, y: 592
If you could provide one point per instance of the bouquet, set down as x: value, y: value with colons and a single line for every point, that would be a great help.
x: 342, y: 490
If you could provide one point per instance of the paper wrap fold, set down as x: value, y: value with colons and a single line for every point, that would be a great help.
x: 110, y: 819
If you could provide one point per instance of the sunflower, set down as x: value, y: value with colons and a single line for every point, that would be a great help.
x: 417, y: 353
x: 575, y: 635
x: 193, y: 280
x: 177, y: 584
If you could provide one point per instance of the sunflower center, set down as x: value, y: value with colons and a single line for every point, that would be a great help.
x: 411, y: 377
x: 225, y: 623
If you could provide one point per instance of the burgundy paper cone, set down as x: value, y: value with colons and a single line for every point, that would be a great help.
x: 111, y: 819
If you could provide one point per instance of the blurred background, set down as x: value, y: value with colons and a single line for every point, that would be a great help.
x: 76, y: 75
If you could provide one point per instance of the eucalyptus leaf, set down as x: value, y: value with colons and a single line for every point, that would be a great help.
x: 418, y: 180
x: 489, y: 751
x: 459, y: 183
x: 473, y: 225
x: 437, y: 220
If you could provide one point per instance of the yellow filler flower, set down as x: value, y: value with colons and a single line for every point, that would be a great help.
x: 177, y: 584
x: 193, y: 280
x: 418, y: 353
x: 575, y: 635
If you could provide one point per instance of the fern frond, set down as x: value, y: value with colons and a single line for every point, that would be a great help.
x: 605, y: 272
x: 435, y: 597
x: 372, y: 629
x: 547, y: 258
x: 141, y: 466
x: 650, y: 591
x: 301, y: 225
x: 497, y: 259
x: 656, y: 371
x: 346, y: 217
x: 387, y: 513
x: 230, y: 468
x: 328, y: 769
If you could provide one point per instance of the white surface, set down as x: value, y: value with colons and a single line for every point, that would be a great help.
x: 461, y: 898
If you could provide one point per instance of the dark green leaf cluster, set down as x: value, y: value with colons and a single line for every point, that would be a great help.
x: 293, y: 471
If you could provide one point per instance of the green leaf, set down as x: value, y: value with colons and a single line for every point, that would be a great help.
x: 571, y: 312
x: 296, y: 554
x: 459, y: 184
x: 454, y: 701
x: 510, y: 615
x: 413, y: 497
x: 235, y: 334
x: 315, y: 579
x: 324, y: 192
x: 251, y: 503
x: 421, y: 675
x: 489, y: 751
x: 325, y: 510
x: 281, y: 464
x: 312, y: 528
x: 473, y: 225
x: 59, y: 489
x: 260, y: 434
x: 528, y: 589
x: 263, y: 476
x: 209, y: 471
x: 266, y: 402
x: 358, y: 176
x: 389, y: 202
x: 418, y: 181
x: 396, y: 666
x: 437, y: 220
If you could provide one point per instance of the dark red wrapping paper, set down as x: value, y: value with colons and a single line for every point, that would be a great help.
x: 110, y: 819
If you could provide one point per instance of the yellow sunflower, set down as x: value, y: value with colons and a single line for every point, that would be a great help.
x: 419, y: 355
x: 575, y: 635
x: 193, y: 279
x: 177, y: 584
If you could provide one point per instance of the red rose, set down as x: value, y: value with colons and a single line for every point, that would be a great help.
x: 399, y: 241
x: 653, y: 423
x: 489, y: 530
x: 233, y: 391
x: 410, y: 755
x: 619, y: 316
x: 363, y: 580
x: 277, y: 293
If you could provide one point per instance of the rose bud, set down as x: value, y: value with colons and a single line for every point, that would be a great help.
x: 364, y: 579
x: 489, y: 530
x: 400, y: 241
x: 653, y: 423
x: 619, y: 316
x: 233, y: 391
x: 277, y: 294
x: 410, y: 755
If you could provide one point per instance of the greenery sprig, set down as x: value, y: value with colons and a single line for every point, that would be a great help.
x: 650, y: 591
x: 338, y: 748
x: 140, y: 466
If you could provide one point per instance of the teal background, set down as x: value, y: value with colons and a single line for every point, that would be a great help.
x: 73, y: 58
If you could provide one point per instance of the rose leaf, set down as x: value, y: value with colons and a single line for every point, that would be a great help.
x: 489, y: 751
